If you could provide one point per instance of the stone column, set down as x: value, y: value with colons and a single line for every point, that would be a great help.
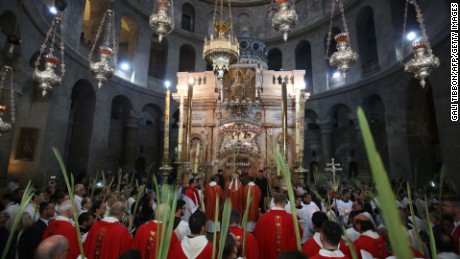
x: 325, y: 127
x: 358, y: 147
x: 130, y: 140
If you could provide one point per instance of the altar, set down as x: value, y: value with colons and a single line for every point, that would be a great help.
x: 234, y: 124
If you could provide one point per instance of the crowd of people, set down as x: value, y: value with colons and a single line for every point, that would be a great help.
x: 122, y: 221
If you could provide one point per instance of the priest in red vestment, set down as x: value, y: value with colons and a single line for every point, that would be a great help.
x: 451, y: 207
x: 275, y: 230
x: 107, y: 238
x: 314, y: 244
x: 235, y: 193
x: 62, y: 225
x: 369, y: 240
x: 196, y: 245
x: 191, y: 198
x: 252, y: 248
x: 212, y: 192
x: 256, y: 196
x: 149, y: 233
x: 330, y: 237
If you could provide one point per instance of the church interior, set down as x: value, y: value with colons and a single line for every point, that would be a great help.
x: 198, y: 86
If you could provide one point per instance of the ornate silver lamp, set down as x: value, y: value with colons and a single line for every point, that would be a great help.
x: 47, y: 78
x: 344, y: 57
x: 285, y: 20
x: 162, y: 18
x: 105, y: 41
x: 221, y: 50
x: 6, y: 77
x: 424, y: 61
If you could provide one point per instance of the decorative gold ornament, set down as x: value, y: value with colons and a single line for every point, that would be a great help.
x: 162, y: 21
x: 424, y: 61
x: 104, y: 68
x: 344, y: 57
x: 285, y: 20
x: 48, y: 78
x: 221, y: 50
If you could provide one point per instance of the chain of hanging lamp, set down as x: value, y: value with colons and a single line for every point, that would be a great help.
x: 105, y: 66
x: 223, y: 50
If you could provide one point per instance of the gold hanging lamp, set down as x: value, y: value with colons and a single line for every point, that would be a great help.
x: 221, y: 50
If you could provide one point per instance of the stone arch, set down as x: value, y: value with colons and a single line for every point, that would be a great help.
x: 127, y: 45
x: 339, y: 114
x: 187, y: 56
x: 118, y: 149
x: 303, y: 61
x: 367, y: 41
x: 342, y: 135
x: 275, y: 59
x: 374, y: 109
x: 158, y: 58
x: 243, y: 27
x: 188, y: 17
x: 80, y: 126
x: 9, y: 28
x: 151, y: 134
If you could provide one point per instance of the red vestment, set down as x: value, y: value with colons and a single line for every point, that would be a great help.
x: 252, y: 248
x: 372, y: 243
x: 456, y: 237
x: 275, y: 233
x: 235, y: 194
x: 192, y: 248
x: 212, y: 191
x: 255, y: 195
x: 193, y: 194
x: 65, y: 228
x: 323, y: 253
x: 108, y: 239
x: 146, y: 238
x: 313, y: 245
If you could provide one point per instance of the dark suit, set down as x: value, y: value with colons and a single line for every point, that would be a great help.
x: 32, y: 237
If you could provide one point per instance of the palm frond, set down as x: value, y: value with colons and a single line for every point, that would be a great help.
x: 387, y: 197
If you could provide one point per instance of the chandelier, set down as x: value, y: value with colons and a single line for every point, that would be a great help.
x: 286, y: 18
x: 6, y: 77
x: 47, y: 78
x: 162, y: 21
x: 104, y: 67
x: 221, y: 50
x: 344, y: 57
x: 423, y: 61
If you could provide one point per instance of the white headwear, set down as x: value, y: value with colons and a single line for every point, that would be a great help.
x: 235, y: 182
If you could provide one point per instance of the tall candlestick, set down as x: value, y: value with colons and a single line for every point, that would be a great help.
x: 297, y: 123
x: 284, y: 106
x: 181, y: 126
x: 189, y: 119
x: 166, y: 128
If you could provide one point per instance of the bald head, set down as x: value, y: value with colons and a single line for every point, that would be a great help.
x: 118, y: 209
x: 54, y: 247
x: 162, y: 212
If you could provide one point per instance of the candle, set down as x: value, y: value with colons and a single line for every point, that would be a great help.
x: 181, y: 126
x: 197, y: 158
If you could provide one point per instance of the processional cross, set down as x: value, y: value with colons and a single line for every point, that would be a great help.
x: 333, y: 167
